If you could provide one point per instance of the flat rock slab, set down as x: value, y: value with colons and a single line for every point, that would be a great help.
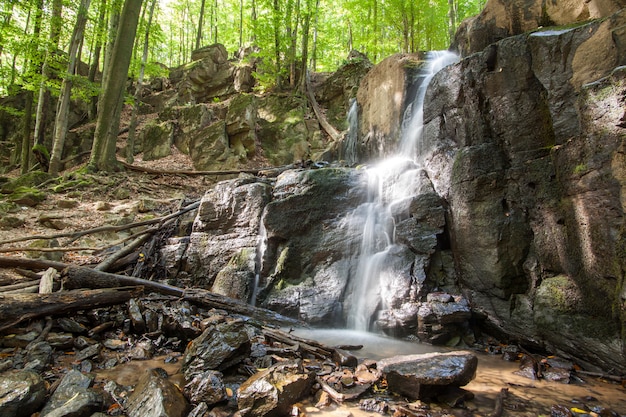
x: 427, y: 375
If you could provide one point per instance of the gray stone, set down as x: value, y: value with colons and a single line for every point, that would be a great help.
x: 272, y: 392
x: 73, y: 397
x: 423, y: 376
x: 206, y: 387
x: 217, y: 348
x: 21, y: 393
x: 156, y: 396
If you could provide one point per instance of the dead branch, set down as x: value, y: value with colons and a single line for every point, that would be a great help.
x: 328, y: 128
x: 82, y: 277
x: 271, y: 171
x: 17, y: 308
x: 19, y: 286
x: 332, y: 393
x: 108, y: 262
x: 106, y: 228
x: 31, y: 264
x: 311, y: 346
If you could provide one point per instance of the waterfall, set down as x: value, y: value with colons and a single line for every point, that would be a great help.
x: 349, y: 149
x: 391, y: 185
x: 261, y: 247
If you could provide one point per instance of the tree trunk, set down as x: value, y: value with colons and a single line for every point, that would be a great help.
x: 16, y: 308
x: 452, y: 19
x: 95, y: 65
x: 130, y: 148
x: 63, y: 106
x: 200, y: 24
x: 28, y: 107
x: 107, y: 125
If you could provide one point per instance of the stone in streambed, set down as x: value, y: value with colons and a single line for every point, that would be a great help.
x: 272, y: 392
x: 156, y: 396
x: 21, y: 393
x: 425, y: 376
x: 73, y: 397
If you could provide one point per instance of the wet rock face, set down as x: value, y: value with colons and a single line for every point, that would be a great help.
x: 73, y: 397
x: 525, y: 155
x: 219, y: 347
x: 428, y: 375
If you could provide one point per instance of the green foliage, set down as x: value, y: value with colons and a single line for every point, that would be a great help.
x: 276, y: 27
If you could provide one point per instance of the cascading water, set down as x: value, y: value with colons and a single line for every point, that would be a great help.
x: 391, y: 185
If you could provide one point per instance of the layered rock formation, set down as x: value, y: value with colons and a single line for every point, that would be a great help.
x: 524, y: 147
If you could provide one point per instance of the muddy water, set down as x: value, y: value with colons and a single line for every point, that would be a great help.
x: 525, y: 397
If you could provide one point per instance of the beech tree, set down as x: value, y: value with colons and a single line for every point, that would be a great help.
x: 114, y: 82
x: 63, y: 104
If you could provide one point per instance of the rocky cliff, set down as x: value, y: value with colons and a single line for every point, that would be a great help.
x: 517, y: 210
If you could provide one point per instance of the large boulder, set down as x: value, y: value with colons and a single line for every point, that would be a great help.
x: 224, y: 236
x: 383, y: 96
x: 424, y: 376
x: 156, y: 396
x: 500, y: 19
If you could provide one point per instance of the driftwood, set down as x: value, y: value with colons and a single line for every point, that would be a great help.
x: 311, y: 346
x: 82, y: 277
x: 20, y: 307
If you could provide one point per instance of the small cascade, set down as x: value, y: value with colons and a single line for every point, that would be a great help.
x: 261, y: 247
x: 391, y: 185
x: 349, y: 148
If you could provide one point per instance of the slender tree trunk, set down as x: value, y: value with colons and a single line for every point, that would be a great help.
x: 200, y: 23
x: 253, y: 18
x: 56, y: 24
x: 276, y: 21
x: 240, y: 23
x: 107, y: 125
x: 305, y: 46
x: 452, y: 19
x: 63, y: 105
x: 130, y: 148
x: 314, y: 46
x: 95, y: 65
x: 34, y: 67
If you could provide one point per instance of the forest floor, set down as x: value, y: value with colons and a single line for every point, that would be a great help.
x: 102, y: 199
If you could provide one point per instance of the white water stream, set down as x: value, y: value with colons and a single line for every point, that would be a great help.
x: 391, y: 184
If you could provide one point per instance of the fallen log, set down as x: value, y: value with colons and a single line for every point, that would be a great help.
x: 269, y: 172
x: 31, y: 264
x: 17, y: 308
x: 82, y: 277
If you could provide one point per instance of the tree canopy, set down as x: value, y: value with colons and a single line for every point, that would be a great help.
x: 61, y: 50
x: 278, y: 28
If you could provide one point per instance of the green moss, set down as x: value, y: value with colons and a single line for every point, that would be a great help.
x: 30, y: 180
x: 27, y: 196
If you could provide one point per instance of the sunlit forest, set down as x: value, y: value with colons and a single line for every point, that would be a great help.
x: 279, y: 31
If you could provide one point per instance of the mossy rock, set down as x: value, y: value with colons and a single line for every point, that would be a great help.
x: 32, y: 179
x: 26, y: 196
x: 11, y: 222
